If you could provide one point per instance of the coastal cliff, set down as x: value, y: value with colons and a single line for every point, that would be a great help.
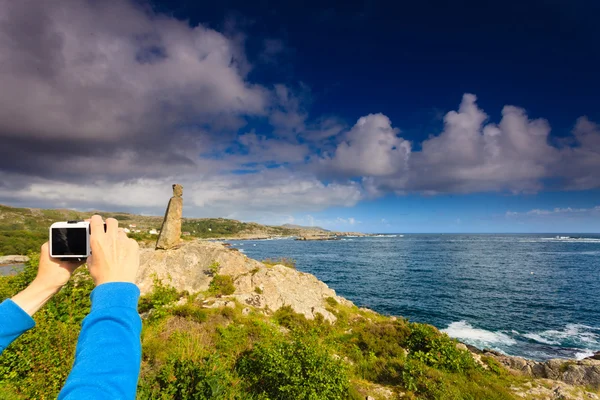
x: 267, y: 289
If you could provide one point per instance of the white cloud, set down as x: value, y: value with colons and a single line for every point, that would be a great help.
x: 470, y: 155
x: 371, y: 148
x: 557, y: 211
x: 275, y: 192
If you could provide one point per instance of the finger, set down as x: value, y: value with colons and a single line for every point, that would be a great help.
x: 122, y: 234
x: 97, y: 226
x: 112, y: 227
x: 45, y: 251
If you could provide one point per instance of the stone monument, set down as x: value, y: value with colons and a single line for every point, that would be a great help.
x: 170, y: 232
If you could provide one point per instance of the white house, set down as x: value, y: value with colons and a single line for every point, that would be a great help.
x: 153, y: 232
x: 126, y: 230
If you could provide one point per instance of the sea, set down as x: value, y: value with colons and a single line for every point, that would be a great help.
x: 534, y: 296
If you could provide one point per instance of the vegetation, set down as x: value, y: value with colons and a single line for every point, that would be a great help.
x: 23, y: 230
x: 191, y: 352
x: 221, y: 285
x: 285, y: 261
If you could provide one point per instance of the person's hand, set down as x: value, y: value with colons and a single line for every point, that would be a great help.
x: 52, y: 275
x: 52, y: 272
x: 115, y: 257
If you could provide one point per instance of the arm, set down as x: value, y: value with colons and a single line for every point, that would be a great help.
x: 108, y: 356
x: 15, y: 321
x: 16, y: 313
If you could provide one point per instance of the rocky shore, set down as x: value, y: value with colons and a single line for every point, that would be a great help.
x: 192, y: 266
x: 584, y: 372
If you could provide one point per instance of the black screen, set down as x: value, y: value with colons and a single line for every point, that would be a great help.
x: 69, y: 242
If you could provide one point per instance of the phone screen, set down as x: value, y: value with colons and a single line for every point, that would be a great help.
x: 69, y: 241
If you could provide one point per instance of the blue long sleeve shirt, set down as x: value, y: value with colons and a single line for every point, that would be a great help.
x: 108, y: 355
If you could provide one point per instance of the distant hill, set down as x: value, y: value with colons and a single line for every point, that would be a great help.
x: 312, y: 228
x: 25, y: 229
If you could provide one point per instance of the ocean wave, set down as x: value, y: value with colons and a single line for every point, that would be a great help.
x: 391, y: 236
x: 580, y: 355
x: 573, y: 341
x: 480, y: 338
x: 573, y: 335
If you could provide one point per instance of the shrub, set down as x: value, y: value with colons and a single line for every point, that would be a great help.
x: 258, y: 290
x: 221, y: 285
x: 213, y: 268
x: 161, y: 295
x: 182, y: 379
x: 287, y: 317
x: 435, y: 349
x: 191, y: 312
x: 298, y: 369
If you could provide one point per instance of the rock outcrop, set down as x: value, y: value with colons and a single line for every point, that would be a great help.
x: 192, y: 266
x: 13, y: 260
x: 170, y: 232
x: 575, y: 372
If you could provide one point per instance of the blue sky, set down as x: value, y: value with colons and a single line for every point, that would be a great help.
x: 371, y: 116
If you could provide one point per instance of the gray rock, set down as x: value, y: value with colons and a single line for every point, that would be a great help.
x: 594, y: 357
x: 170, y: 232
x: 187, y: 268
x: 13, y: 259
x: 575, y: 372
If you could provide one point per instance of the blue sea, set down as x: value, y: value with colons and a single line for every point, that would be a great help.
x: 535, y: 296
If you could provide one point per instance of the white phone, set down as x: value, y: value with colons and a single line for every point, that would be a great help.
x: 70, y: 239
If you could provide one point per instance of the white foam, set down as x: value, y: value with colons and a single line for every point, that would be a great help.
x: 478, y: 337
x: 540, y: 339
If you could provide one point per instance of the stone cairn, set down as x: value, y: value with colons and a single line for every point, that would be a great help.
x: 170, y: 232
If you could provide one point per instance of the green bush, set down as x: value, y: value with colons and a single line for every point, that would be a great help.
x: 20, y: 241
x: 188, y: 379
x: 288, y: 318
x: 298, y: 369
x: 221, y: 285
x: 435, y: 349
x: 161, y: 295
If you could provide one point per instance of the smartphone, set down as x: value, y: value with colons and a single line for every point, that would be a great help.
x: 70, y: 239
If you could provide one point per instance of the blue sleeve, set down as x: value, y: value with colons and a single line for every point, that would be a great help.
x: 13, y: 322
x: 109, y: 351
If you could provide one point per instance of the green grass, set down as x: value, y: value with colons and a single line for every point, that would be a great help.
x: 209, y: 353
x: 285, y: 261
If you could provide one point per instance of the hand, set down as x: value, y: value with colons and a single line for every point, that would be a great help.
x: 52, y: 275
x: 115, y: 257
x: 52, y: 272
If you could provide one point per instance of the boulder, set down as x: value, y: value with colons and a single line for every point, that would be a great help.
x: 192, y: 266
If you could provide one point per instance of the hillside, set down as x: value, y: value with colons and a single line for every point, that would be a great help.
x: 25, y: 229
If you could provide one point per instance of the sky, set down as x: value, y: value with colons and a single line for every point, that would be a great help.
x: 372, y: 116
